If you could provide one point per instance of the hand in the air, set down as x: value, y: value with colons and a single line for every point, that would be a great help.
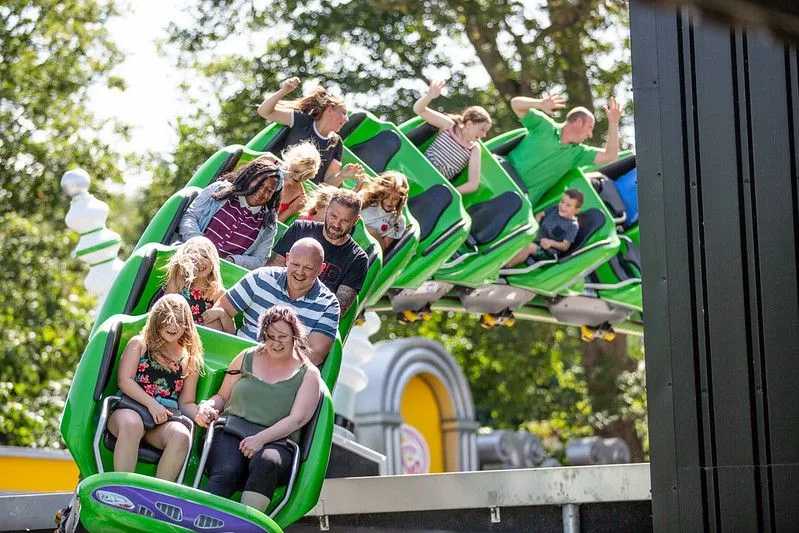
x: 436, y: 86
x: 291, y: 83
x: 613, y: 111
x: 351, y: 170
x: 551, y: 102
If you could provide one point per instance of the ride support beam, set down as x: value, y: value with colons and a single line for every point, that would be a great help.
x: 717, y: 124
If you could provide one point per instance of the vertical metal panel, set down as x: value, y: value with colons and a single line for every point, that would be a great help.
x: 774, y: 187
x: 717, y: 124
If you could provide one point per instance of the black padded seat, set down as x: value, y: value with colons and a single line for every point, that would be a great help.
x: 507, y: 146
x: 513, y: 174
x: 490, y: 218
x: 352, y: 124
x: 618, y: 269
x: 172, y: 234
x: 422, y: 133
x: 618, y: 168
x: 428, y: 207
x: 307, y: 433
x: 147, y: 453
x: 609, y: 193
x: 399, y: 244
x: 378, y: 151
x: 590, y: 222
x: 229, y: 164
x: 633, y: 256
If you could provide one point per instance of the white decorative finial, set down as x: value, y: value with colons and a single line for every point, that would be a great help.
x: 98, y: 245
x: 75, y: 182
x: 352, y: 379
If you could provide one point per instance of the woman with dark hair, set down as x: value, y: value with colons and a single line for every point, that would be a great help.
x: 238, y: 213
x: 269, y: 393
x: 316, y: 118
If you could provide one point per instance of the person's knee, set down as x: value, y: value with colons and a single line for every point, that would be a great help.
x: 265, y: 464
x: 129, y: 424
x: 179, y: 436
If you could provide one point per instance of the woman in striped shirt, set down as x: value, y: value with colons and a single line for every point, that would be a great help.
x: 456, y: 146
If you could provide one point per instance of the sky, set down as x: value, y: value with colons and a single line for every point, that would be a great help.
x: 152, y: 99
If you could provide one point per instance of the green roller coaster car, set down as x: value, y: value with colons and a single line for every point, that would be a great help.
x: 142, y: 275
x: 502, y: 219
x: 619, y: 280
x: 121, y: 502
x: 443, y: 223
x: 93, y: 395
x: 394, y: 261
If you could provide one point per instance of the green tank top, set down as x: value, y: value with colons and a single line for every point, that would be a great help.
x: 259, y: 402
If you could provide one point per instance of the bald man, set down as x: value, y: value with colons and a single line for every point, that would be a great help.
x: 297, y: 286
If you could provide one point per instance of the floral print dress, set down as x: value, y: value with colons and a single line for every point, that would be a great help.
x: 198, y: 303
x: 162, y: 382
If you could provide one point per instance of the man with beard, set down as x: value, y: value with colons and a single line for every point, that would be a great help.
x: 296, y: 286
x: 345, y: 262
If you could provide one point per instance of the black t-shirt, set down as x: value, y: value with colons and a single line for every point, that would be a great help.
x: 303, y: 130
x: 345, y: 264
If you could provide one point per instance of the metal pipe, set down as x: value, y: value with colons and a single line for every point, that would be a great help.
x: 571, y: 518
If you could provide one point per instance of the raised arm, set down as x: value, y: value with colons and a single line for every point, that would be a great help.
x: 548, y: 104
x: 271, y: 110
x: 432, y: 117
x: 611, y: 149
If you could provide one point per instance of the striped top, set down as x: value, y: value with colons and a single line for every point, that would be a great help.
x: 265, y: 287
x: 234, y: 228
x: 448, y: 154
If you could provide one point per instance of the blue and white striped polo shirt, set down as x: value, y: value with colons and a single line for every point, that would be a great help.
x: 265, y: 287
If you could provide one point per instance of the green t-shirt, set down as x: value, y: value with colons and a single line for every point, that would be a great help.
x: 541, y: 159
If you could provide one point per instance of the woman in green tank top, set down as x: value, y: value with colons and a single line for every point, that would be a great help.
x: 275, y: 386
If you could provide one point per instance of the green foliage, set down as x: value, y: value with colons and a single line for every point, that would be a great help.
x: 529, y: 374
x: 44, y: 323
x: 533, y: 376
x: 51, y: 52
x: 380, y: 53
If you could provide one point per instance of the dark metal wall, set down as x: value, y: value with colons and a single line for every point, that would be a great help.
x: 717, y: 126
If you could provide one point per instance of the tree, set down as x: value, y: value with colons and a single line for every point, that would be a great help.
x: 50, y: 53
x: 379, y: 53
x: 538, y: 376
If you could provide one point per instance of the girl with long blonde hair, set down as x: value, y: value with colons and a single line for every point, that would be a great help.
x: 456, y: 146
x: 157, y: 376
x: 317, y: 117
x: 193, y: 272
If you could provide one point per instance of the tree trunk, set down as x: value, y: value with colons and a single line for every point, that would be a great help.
x: 603, y: 362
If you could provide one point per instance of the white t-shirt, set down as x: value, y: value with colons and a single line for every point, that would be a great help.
x: 387, y: 224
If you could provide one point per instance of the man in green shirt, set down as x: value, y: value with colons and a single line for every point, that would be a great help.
x: 550, y: 149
